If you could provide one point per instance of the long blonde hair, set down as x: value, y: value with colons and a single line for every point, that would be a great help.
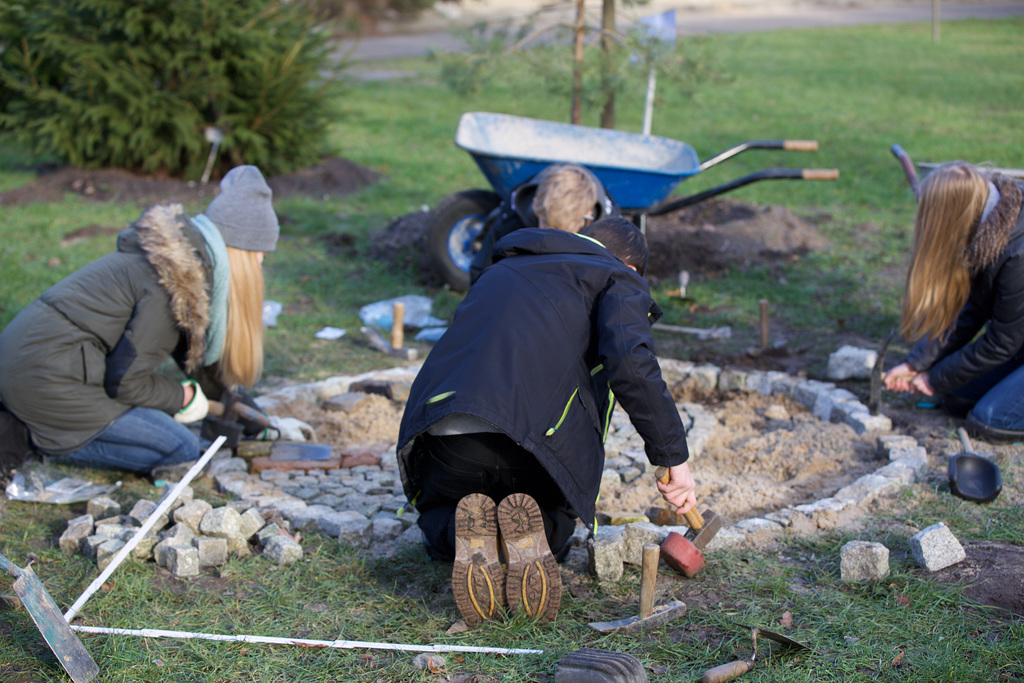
x: 938, y: 280
x: 241, y: 361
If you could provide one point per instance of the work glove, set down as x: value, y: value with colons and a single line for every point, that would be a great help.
x: 197, y: 408
x: 292, y: 429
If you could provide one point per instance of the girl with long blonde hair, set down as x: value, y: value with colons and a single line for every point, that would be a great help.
x: 963, y: 301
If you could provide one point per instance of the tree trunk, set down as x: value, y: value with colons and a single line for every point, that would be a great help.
x: 607, y: 64
x: 577, y: 71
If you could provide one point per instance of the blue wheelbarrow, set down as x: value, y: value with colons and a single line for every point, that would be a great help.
x: 638, y: 171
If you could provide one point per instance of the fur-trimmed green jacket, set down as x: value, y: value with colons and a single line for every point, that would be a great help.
x: 86, y: 351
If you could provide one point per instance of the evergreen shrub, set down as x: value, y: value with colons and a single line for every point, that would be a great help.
x: 139, y: 84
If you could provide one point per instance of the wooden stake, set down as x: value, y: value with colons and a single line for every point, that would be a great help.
x: 649, y: 578
x: 397, y: 329
x: 764, y: 323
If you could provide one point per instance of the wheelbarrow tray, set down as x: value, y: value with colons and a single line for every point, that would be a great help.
x: 639, y: 171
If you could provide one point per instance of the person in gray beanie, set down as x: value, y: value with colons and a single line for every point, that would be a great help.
x: 243, y: 212
x: 78, y: 366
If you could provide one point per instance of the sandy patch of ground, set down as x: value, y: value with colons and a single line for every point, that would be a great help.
x: 767, y: 454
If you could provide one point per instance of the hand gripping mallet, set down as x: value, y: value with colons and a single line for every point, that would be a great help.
x: 683, y: 553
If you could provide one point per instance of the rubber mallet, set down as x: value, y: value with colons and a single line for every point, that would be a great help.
x: 683, y: 553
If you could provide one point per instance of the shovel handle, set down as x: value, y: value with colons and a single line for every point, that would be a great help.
x: 693, y: 517
x: 965, y: 440
x: 727, y: 672
x: 9, y: 567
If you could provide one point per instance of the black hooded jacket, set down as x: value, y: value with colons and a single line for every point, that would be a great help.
x: 536, y: 347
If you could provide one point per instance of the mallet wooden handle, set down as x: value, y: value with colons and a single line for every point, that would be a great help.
x: 240, y: 410
x: 693, y: 517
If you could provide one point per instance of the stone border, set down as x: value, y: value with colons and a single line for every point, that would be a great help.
x: 907, y: 460
x: 363, y: 505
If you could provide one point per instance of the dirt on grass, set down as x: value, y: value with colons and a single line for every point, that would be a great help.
x: 332, y: 177
x: 717, y: 235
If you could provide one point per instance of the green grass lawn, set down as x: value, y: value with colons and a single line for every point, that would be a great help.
x: 855, y: 90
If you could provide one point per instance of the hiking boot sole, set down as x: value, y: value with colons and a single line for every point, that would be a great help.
x: 534, y: 582
x: 478, y: 581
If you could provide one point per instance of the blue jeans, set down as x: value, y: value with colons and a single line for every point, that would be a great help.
x: 999, y: 395
x: 1002, y: 406
x: 138, y: 441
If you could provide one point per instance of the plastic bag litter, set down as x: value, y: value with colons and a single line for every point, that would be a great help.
x: 417, y: 312
x: 271, y: 309
x: 330, y: 333
x: 431, y: 334
x: 38, y: 483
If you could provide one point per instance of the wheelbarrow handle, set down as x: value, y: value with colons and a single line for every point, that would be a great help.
x: 908, y: 169
x: 821, y: 174
x: 800, y: 145
x: 792, y: 145
x: 767, y: 174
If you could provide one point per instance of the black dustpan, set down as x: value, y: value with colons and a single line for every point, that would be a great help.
x: 971, y: 476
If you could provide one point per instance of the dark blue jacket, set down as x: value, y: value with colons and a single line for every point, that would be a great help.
x: 534, y: 348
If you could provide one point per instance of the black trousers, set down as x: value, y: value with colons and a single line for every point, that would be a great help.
x: 452, y: 467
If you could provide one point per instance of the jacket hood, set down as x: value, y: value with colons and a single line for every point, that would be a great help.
x: 539, y: 241
x: 169, y: 243
x: 993, y: 234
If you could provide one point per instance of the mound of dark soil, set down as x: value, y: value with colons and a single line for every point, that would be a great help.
x: 705, y: 239
x: 332, y: 177
x: 992, y: 574
x: 722, y: 234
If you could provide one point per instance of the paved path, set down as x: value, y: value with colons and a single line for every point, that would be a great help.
x: 776, y: 16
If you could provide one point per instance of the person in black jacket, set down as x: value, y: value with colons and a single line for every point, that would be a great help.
x: 966, y: 277
x: 513, y: 402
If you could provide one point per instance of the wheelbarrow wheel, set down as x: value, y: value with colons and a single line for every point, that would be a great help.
x: 455, y: 224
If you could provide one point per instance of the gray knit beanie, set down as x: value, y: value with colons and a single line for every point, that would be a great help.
x: 243, y: 212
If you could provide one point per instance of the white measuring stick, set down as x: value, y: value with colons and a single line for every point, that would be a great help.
x: 337, y: 644
x: 146, y: 526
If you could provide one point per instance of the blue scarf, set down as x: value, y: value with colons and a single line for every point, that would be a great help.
x: 218, y: 252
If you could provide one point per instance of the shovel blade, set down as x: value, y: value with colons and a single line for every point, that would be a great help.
x: 50, y: 622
